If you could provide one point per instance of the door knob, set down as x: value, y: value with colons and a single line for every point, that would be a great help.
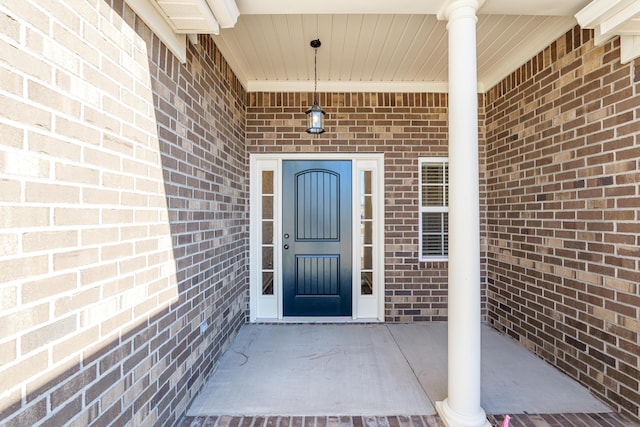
x: 286, y: 246
x: 286, y: 235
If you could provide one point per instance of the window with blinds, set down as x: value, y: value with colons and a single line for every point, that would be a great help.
x: 434, y: 208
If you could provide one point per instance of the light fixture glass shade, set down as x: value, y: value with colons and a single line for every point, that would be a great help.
x: 315, y: 119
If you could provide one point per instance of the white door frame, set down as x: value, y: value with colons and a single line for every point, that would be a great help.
x: 269, y: 307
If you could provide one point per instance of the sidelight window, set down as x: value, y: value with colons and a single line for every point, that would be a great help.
x: 366, y: 232
x: 267, y: 245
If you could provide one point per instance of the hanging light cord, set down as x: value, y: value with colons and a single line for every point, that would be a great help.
x: 315, y: 75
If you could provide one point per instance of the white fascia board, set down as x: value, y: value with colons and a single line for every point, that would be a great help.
x: 610, y: 18
x: 225, y: 11
x: 346, y: 86
x: 629, y: 48
x: 596, y: 11
x: 187, y: 27
x: 177, y: 43
x: 616, y: 21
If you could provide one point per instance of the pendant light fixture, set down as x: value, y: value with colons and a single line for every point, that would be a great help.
x: 315, y: 115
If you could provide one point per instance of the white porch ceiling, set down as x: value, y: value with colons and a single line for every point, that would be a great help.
x: 375, y: 52
x: 380, y: 45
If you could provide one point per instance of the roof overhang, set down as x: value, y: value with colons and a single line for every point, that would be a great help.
x: 268, y: 47
x: 610, y: 18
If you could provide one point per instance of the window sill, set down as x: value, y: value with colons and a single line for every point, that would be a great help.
x: 435, y: 259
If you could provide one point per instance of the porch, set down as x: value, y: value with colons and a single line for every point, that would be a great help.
x: 320, y: 375
x: 126, y: 238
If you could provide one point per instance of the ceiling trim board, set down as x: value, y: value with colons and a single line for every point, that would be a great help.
x: 348, y: 87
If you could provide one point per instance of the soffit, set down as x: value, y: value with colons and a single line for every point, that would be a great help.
x: 370, y: 52
x: 379, y: 45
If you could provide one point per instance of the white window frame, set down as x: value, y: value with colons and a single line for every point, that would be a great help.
x: 427, y: 209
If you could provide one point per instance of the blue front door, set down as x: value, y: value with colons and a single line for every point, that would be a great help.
x: 317, y: 237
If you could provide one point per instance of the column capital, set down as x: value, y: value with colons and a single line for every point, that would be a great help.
x: 450, y: 6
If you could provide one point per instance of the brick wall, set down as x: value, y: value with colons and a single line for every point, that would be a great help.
x: 124, y: 220
x: 123, y: 224
x: 563, y: 150
x: 402, y: 126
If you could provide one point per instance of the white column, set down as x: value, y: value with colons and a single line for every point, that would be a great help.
x: 462, y: 406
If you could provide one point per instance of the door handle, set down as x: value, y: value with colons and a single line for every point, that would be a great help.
x: 286, y: 246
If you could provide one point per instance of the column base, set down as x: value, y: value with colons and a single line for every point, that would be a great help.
x: 453, y: 419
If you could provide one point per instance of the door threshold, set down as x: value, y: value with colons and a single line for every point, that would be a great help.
x: 316, y: 320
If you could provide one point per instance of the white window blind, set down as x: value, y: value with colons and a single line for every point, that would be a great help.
x: 434, y: 208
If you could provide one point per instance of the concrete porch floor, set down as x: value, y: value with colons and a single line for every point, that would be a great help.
x: 376, y: 372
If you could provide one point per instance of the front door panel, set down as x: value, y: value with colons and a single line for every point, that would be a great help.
x: 317, y: 246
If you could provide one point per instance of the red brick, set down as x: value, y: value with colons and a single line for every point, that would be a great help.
x: 595, y: 221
